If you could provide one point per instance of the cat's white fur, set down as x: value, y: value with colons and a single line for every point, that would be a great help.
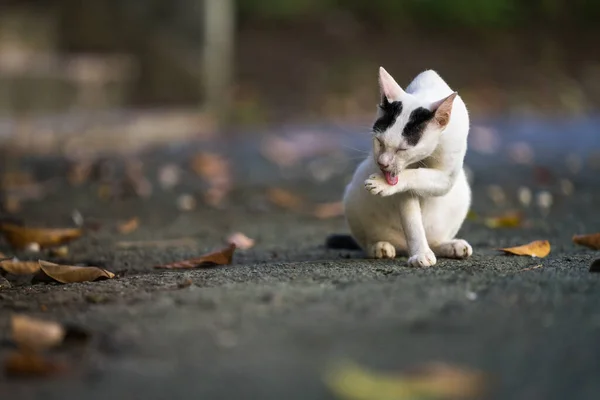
x: 423, y: 212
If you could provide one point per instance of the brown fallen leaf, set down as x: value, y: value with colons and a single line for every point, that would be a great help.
x: 329, y: 210
x: 25, y: 363
x: 221, y: 257
x: 591, y: 241
x: 508, y: 220
x: 129, y: 226
x: 538, y: 248
x: 33, y: 333
x: 17, y: 267
x: 240, y: 241
x: 73, y: 274
x: 285, y: 199
x: 216, y: 171
x: 20, y: 237
x: 431, y: 381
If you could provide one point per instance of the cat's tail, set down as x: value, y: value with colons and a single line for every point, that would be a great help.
x: 342, y: 242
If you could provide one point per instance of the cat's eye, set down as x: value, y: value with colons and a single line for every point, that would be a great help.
x: 400, y: 150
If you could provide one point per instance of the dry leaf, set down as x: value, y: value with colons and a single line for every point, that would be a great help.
x: 592, y: 241
x: 26, y: 363
x: 329, y: 210
x: 508, y: 220
x: 36, y: 334
x: 240, y: 241
x: 221, y: 257
x: 216, y: 170
x: 538, y: 248
x: 20, y: 237
x: 73, y: 274
x: 129, y: 226
x: 17, y: 267
x: 433, y: 381
x: 285, y: 199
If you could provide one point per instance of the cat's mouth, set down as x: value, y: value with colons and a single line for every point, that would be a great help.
x: 390, y: 177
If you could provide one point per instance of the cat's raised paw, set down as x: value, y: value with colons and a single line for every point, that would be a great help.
x: 423, y: 259
x: 377, y: 185
x: 382, y: 250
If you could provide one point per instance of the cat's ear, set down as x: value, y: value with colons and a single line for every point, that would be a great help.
x: 388, y: 86
x: 443, y: 109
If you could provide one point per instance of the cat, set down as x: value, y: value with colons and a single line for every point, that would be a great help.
x: 411, y: 195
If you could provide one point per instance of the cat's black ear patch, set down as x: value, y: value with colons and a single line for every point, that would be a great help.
x: 417, y: 121
x: 390, y: 111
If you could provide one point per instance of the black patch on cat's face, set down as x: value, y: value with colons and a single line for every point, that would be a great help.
x: 391, y: 111
x: 418, y: 120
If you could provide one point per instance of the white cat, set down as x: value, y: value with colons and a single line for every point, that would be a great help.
x: 411, y: 194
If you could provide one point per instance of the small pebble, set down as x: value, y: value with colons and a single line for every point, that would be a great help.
x: 524, y: 194
x: 77, y: 218
x: 566, y: 187
x: 544, y: 200
x: 186, y: 202
x: 169, y: 176
x: 471, y: 296
x: 496, y: 193
x: 33, y: 248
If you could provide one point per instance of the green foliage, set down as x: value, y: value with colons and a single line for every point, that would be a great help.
x: 471, y: 13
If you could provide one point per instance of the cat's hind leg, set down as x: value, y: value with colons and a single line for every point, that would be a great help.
x: 382, y: 250
x: 455, y: 248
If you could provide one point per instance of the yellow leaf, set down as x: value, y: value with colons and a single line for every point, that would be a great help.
x: 73, y: 274
x: 538, y: 248
x: 329, y: 210
x: 591, y: 241
x: 129, y: 226
x: 20, y: 237
x: 432, y: 381
x: 509, y: 220
x: 285, y: 199
x: 24, y: 363
x: 221, y: 257
x: 36, y: 334
x: 20, y: 267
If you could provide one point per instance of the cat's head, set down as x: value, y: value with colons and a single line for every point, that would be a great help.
x: 407, y: 130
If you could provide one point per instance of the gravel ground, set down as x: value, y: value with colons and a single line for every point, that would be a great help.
x: 268, y: 326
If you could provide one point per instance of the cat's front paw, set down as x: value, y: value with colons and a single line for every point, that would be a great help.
x: 377, y: 185
x: 422, y: 259
x: 382, y: 250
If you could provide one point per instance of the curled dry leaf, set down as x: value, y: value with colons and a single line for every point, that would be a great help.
x: 129, y: 226
x: 285, y: 199
x: 591, y: 241
x: 508, y: 220
x: 329, y: 210
x: 240, y: 241
x: 73, y: 274
x: 25, y: 363
x: 432, y: 381
x: 216, y: 170
x: 538, y: 248
x: 20, y: 237
x: 17, y: 267
x: 36, y: 334
x: 221, y: 257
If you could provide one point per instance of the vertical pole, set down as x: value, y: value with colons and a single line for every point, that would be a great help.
x: 217, y: 57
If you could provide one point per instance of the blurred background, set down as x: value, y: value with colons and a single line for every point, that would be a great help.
x: 82, y: 79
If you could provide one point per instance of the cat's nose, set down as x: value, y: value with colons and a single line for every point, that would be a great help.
x: 383, y: 165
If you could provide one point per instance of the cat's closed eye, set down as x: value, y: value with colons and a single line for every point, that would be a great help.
x: 400, y: 150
